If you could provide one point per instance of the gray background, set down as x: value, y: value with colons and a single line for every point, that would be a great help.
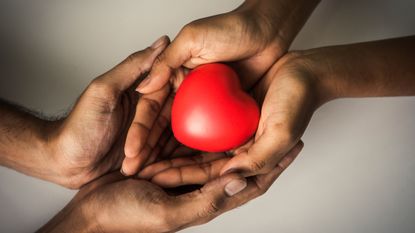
x: 355, y: 174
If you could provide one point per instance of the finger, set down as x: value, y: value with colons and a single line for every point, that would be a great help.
x: 153, y: 169
x: 178, y: 152
x: 176, y: 54
x: 147, y: 111
x: 199, y: 173
x: 152, y: 157
x: 258, y: 185
x: 178, y: 77
x: 225, y: 193
x: 182, y: 151
x: 169, y: 148
x: 128, y: 71
x: 165, y: 136
x: 160, y: 132
x: 260, y: 158
x: 191, y: 174
x: 161, y: 123
x: 202, y: 205
x: 242, y: 148
x: 284, y: 117
x: 130, y: 166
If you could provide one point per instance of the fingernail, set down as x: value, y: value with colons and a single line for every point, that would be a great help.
x: 122, y: 172
x: 234, y: 187
x: 144, y: 83
x: 159, y: 42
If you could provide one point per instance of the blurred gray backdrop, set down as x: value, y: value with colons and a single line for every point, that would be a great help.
x: 355, y: 174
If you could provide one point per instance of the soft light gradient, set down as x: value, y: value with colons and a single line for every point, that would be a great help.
x: 355, y: 174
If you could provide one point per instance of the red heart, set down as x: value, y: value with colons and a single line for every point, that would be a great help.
x: 211, y: 112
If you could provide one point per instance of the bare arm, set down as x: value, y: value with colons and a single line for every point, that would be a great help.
x: 23, y: 141
x: 302, y: 81
x: 252, y: 38
x: 75, y: 150
x: 378, y: 68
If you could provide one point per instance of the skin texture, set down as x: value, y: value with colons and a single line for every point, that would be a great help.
x: 114, y: 203
x: 250, y: 38
x: 89, y: 142
x: 290, y: 93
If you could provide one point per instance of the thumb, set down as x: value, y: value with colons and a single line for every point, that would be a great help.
x: 202, y: 205
x: 125, y: 74
x: 173, y: 57
x: 262, y: 156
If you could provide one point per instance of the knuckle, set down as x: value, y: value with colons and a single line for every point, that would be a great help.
x: 211, y: 209
x: 152, y: 105
x: 131, y: 58
x: 257, y: 165
x: 160, y: 59
x: 105, y: 96
x: 140, y: 60
x: 99, y: 87
x: 134, y: 58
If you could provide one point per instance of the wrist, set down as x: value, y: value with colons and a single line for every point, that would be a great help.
x: 282, y: 20
x: 320, y: 69
x: 52, y: 167
x: 313, y: 72
x: 62, y: 172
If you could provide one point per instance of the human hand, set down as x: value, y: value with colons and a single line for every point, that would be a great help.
x: 116, y: 204
x: 302, y: 81
x: 288, y: 96
x: 90, y: 141
x: 251, y: 38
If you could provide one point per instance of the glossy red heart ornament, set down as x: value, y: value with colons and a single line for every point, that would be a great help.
x: 211, y: 112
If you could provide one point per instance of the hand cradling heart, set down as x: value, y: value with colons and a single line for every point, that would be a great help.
x: 211, y: 112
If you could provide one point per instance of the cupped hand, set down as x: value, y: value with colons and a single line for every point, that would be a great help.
x: 90, y: 141
x: 250, y: 38
x: 116, y: 204
x: 244, y: 37
x: 288, y: 97
x: 241, y: 37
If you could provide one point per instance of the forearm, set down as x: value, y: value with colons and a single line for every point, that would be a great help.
x: 284, y: 18
x: 24, y: 142
x: 379, y: 68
